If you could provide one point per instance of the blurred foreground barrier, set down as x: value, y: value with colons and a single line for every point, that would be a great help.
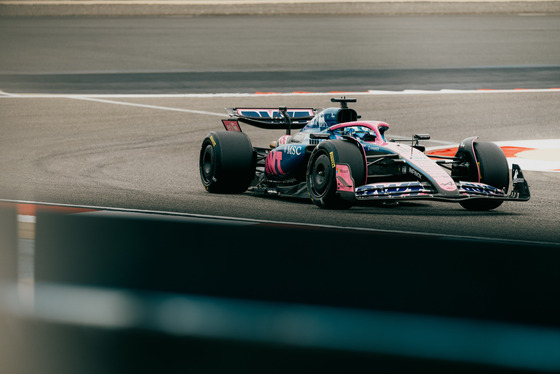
x: 8, y: 244
x: 91, y: 330
x: 130, y: 293
x: 494, y: 280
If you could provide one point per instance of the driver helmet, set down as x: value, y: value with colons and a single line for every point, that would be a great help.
x: 325, y: 119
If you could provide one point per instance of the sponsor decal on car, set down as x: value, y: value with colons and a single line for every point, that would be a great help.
x: 414, y: 172
x: 344, y: 180
x: 274, y: 113
x: 399, y: 189
x: 294, y: 150
x: 231, y: 125
x: 273, y: 163
x: 480, y: 189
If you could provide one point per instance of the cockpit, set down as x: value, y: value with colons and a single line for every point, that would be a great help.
x: 366, y: 131
x: 358, y: 132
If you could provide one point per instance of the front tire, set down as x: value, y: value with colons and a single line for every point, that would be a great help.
x: 321, y: 172
x: 226, y: 162
x: 494, y: 171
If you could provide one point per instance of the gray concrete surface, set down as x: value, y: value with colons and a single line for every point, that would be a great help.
x: 269, y: 7
x: 291, y: 53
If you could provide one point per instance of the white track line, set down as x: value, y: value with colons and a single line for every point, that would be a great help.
x: 260, y: 221
x: 451, y: 92
x: 103, y: 98
x: 6, y: 94
x: 211, y: 95
x: 146, y: 106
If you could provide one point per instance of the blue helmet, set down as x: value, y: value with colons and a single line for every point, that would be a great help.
x: 323, y: 120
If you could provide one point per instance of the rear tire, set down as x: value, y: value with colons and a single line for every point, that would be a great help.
x: 226, y: 162
x: 321, y: 172
x: 494, y: 171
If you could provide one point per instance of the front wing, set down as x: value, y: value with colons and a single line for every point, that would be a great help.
x: 421, y: 190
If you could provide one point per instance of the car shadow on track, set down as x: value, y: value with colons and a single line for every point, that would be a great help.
x: 407, y: 208
x: 428, y: 210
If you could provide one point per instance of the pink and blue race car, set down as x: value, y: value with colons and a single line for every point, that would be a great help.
x: 338, y: 160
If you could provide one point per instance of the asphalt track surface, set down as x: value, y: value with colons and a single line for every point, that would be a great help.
x: 141, y: 157
x: 142, y: 152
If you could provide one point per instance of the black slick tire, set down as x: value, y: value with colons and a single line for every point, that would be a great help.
x: 494, y: 171
x: 226, y: 162
x: 321, y: 172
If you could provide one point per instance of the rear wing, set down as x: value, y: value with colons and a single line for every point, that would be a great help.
x: 267, y: 118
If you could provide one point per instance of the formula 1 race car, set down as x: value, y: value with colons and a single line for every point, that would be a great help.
x: 338, y: 160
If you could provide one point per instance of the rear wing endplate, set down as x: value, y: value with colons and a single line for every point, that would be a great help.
x: 231, y: 125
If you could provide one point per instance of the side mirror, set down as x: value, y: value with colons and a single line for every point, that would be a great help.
x: 421, y: 136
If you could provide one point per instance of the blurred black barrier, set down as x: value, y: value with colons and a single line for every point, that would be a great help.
x: 426, y: 274
x: 66, y: 349
x: 8, y: 244
x: 131, y: 293
x: 90, y: 330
